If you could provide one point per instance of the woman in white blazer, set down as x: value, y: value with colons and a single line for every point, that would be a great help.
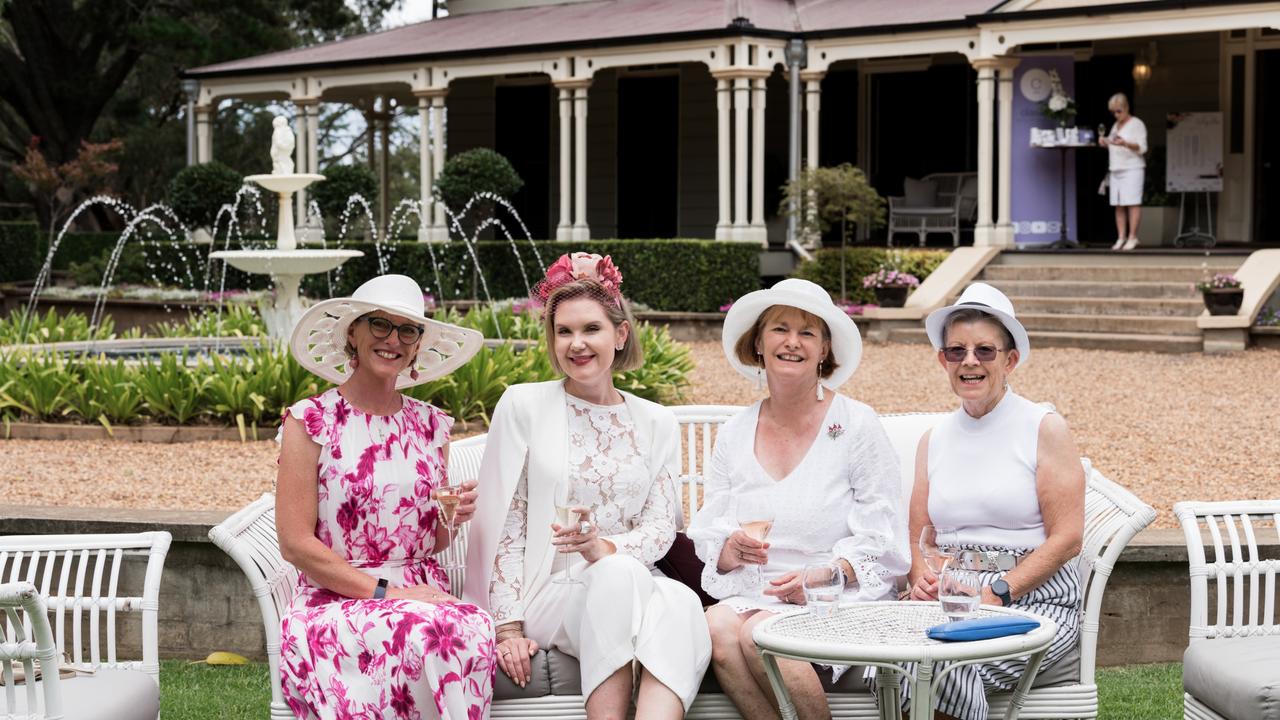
x: 586, y: 584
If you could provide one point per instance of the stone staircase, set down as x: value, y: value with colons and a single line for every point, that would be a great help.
x: 1111, y: 301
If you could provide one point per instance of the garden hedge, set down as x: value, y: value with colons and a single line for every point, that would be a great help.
x: 20, y: 249
x: 824, y: 269
x: 673, y: 275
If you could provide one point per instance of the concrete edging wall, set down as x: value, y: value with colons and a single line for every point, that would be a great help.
x: 206, y: 604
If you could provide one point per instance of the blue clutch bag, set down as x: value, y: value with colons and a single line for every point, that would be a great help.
x: 982, y: 628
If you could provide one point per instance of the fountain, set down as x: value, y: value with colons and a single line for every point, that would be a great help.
x: 286, y: 264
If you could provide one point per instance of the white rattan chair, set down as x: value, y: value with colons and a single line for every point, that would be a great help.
x: 1243, y: 634
x: 87, y: 583
x: 1112, y: 517
x: 28, y: 639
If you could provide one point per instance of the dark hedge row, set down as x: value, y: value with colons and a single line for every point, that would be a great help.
x: 675, y: 275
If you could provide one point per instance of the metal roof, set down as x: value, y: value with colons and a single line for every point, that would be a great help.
x: 602, y: 22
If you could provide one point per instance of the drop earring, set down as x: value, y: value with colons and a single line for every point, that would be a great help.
x: 821, y: 397
x: 760, y: 372
x: 354, y: 362
x: 413, y: 374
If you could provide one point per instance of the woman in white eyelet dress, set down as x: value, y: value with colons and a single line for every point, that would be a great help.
x: 819, y: 463
x: 620, y: 455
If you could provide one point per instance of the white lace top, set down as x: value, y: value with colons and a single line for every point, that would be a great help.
x: 843, y: 500
x: 632, y: 509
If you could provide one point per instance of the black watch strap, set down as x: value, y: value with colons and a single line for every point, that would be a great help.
x: 380, y: 591
x: 1001, y: 590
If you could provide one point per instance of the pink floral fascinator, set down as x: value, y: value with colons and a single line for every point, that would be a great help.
x: 571, y: 267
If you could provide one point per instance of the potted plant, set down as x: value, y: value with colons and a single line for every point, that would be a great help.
x: 1223, y: 294
x: 891, y: 286
x: 1060, y: 106
x: 825, y: 197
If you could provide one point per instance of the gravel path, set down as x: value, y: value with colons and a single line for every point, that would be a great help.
x: 1168, y: 427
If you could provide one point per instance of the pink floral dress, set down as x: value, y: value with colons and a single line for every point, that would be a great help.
x: 343, y: 658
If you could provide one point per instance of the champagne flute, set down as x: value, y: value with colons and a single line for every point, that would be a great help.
x: 937, y: 547
x: 565, y: 500
x: 756, y: 523
x: 448, y: 498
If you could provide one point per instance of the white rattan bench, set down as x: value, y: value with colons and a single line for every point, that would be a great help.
x: 1112, y: 517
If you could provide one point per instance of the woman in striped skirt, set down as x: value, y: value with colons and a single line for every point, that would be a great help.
x: 1005, y: 475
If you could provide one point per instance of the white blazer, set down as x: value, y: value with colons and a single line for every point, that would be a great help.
x: 531, y: 422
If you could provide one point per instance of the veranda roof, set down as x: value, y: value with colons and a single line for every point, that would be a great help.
x: 600, y: 23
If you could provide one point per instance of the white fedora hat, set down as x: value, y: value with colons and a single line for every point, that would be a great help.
x: 319, y: 339
x: 981, y: 296
x: 846, y: 343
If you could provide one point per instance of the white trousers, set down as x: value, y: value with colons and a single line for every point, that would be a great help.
x: 620, y: 613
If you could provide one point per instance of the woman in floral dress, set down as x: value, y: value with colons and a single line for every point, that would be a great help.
x: 373, y: 631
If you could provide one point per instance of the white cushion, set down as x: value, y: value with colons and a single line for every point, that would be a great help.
x: 108, y: 694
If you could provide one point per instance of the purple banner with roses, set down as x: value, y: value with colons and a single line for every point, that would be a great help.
x: 1035, y: 201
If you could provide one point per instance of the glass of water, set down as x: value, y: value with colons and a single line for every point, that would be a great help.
x: 960, y: 592
x: 823, y: 584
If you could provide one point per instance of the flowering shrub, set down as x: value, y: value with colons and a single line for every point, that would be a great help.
x: 885, y: 277
x: 1221, y: 281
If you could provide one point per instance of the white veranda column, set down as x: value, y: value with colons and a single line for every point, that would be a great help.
x: 313, y: 137
x: 813, y: 105
x: 300, y: 159
x: 741, y: 103
x: 758, y: 232
x: 426, y: 177
x: 984, y: 232
x: 580, y: 229
x: 1004, y: 235
x: 204, y: 133
x: 564, y: 229
x: 723, y: 105
x: 439, y: 226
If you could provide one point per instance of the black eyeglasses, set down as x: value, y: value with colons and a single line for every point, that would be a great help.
x: 984, y: 353
x: 382, y: 327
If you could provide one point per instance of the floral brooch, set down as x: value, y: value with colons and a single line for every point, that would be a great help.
x: 835, y: 431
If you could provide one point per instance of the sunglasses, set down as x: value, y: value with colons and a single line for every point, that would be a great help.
x: 984, y: 353
x: 381, y: 329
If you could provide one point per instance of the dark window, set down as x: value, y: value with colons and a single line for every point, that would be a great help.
x: 1237, y: 104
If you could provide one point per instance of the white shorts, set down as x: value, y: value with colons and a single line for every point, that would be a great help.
x: 1126, y: 186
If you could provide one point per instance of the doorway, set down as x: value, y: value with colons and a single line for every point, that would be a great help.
x: 522, y: 127
x: 1097, y: 79
x: 1266, y: 186
x: 648, y: 156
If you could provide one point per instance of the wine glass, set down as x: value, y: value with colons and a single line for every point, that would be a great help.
x: 959, y: 591
x: 566, y: 498
x: 823, y: 584
x: 755, y: 522
x: 448, y: 498
x: 937, y: 547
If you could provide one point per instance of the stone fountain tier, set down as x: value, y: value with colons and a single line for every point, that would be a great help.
x: 286, y: 268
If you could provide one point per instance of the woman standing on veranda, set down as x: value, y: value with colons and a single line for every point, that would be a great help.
x: 617, y: 457
x: 819, y: 463
x: 373, y: 630
x: 1126, y: 145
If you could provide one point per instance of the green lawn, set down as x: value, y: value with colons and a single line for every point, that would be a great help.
x: 239, y: 692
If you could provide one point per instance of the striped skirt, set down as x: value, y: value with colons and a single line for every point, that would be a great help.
x: 963, y: 692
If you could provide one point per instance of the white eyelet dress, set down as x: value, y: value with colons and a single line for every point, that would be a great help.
x: 982, y: 481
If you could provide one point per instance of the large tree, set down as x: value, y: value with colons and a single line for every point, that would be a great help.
x: 64, y: 62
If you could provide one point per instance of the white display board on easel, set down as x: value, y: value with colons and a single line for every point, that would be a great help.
x: 1194, y: 157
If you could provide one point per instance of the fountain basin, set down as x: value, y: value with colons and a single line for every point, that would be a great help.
x: 285, y: 262
x: 290, y: 183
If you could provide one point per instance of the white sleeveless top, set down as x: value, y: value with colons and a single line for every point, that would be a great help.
x: 982, y: 475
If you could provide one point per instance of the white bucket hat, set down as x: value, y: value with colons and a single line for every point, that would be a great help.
x: 320, y: 338
x: 981, y: 296
x: 846, y: 343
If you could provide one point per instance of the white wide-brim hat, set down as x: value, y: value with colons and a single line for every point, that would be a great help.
x: 319, y: 339
x: 981, y: 296
x: 846, y: 343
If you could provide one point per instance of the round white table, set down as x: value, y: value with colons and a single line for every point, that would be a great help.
x: 886, y: 635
